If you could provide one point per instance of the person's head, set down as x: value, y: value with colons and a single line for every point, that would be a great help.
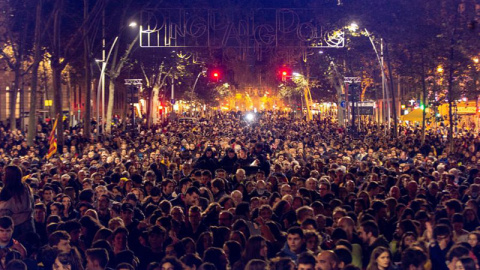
x: 39, y: 212
x: 413, y: 258
x: 171, y: 263
x: 97, y: 258
x: 453, y: 206
x: 324, y: 188
x: 256, y: 264
x: 217, y: 257
x: 326, y: 260
x: 255, y: 248
x: 295, y: 239
x: 126, y: 212
x: 125, y: 266
x: 192, y: 196
x: 6, y: 230
x: 233, y: 250
x: 218, y: 185
x: 455, y: 253
x: 442, y: 235
x: 16, y: 265
x: 63, y: 261
x: 225, y: 218
x: 156, y: 237
x: 465, y: 263
x: 380, y: 258
x: 12, y: 176
x: 344, y: 255
x: 312, y: 240
x: 56, y: 209
x: 120, y: 238
x: 347, y: 224
x: 194, y: 215
x: 61, y: 241
x: 282, y: 263
x: 368, y: 232
x: 168, y: 186
x: 306, y: 261
x: 190, y: 261
x: 473, y: 238
x: 303, y: 213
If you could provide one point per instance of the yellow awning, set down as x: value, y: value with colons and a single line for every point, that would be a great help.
x: 415, y: 115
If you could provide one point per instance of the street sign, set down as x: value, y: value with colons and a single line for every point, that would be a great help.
x: 342, y: 103
x: 364, y: 107
x: 172, y: 101
x: 364, y: 110
x: 352, y: 79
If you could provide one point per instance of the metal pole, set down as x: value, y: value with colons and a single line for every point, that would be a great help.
x: 173, y: 89
x: 384, y: 84
x: 195, y: 83
x: 353, y: 91
x: 380, y: 61
x: 104, y: 63
x: 132, y: 89
x: 98, y: 109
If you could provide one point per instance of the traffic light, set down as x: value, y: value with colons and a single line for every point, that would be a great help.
x: 284, y: 73
x: 215, y: 74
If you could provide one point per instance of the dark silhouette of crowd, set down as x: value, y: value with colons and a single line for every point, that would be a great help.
x: 223, y: 192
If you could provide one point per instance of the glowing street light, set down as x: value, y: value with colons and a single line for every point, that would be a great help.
x: 133, y: 24
x: 476, y: 60
x: 440, y: 69
x: 250, y: 117
x: 353, y: 27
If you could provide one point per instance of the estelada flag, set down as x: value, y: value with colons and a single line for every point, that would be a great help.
x: 52, y: 141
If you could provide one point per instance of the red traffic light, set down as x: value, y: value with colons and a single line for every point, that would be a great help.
x: 215, y: 74
x: 284, y: 73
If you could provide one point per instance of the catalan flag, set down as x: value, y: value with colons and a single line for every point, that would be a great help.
x: 52, y: 141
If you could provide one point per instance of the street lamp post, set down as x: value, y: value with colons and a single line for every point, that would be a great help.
x: 101, y: 85
x: 204, y: 70
x: 196, y: 81
x: 380, y: 59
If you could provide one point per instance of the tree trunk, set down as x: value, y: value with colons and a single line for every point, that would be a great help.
x: 155, y: 93
x: 32, y: 119
x: 13, y: 99
x: 114, y: 72
x: 111, y: 99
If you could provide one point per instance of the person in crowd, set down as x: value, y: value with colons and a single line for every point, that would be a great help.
x: 327, y: 260
x: 6, y: 237
x: 306, y: 261
x: 16, y: 201
x: 381, y: 259
x: 97, y: 259
x: 295, y: 244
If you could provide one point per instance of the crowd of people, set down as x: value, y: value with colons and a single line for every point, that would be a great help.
x: 221, y: 192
